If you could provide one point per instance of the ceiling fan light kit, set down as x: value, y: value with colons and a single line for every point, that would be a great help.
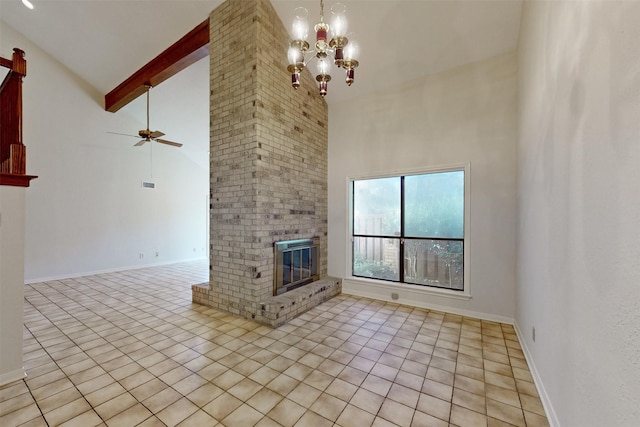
x: 343, y: 50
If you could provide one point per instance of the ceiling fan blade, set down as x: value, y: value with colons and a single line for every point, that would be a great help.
x: 139, y: 143
x: 124, y: 134
x: 164, y: 141
x: 156, y: 134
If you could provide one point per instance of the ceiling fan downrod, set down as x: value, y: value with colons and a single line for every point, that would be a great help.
x: 148, y: 86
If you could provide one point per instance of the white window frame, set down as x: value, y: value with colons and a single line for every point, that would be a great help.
x: 383, y: 287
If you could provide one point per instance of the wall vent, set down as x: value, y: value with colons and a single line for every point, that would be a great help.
x: 146, y: 184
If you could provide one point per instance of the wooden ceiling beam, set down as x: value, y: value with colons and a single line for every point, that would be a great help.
x: 189, y: 49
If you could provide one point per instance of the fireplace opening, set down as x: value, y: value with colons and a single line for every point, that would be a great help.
x: 296, y: 264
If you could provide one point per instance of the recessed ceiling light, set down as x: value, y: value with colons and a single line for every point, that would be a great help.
x: 27, y: 3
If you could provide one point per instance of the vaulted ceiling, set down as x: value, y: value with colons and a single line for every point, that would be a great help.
x: 105, y: 41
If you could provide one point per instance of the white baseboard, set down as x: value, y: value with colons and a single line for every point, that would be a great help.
x: 109, y: 270
x: 9, y: 377
x: 414, y: 298
x: 552, y: 418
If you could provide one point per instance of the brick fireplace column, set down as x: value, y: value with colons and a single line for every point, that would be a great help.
x: 268, y: 156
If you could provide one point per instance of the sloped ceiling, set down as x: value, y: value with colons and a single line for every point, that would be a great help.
x: 105, y: 41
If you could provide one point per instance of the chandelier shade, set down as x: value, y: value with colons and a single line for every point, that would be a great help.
x: 339, y: 49
x: 300, y: 27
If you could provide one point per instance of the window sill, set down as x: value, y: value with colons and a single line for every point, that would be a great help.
x: 382, y: 289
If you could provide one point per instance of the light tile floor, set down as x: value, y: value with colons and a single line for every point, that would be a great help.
x: 129, y: 348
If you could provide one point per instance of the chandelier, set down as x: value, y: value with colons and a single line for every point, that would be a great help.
x: 341, y: 50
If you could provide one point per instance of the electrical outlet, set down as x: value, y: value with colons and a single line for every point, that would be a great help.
x: 533, y: 333
x: 157, y: 254
x: 394, y: 296
x: 141, y: 255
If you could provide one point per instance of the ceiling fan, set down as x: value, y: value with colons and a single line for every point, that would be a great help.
x: 148, y: 135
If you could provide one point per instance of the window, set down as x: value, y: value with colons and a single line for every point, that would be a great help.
x: 410, y: 229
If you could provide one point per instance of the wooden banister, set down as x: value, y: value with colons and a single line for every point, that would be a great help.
x: 12, y: 150
x: 6, y: 63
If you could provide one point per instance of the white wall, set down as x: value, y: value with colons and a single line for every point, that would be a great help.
x: 466, y: 115
x: 579, y: 208
x: 87, y: 211
x: 12, y: 201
